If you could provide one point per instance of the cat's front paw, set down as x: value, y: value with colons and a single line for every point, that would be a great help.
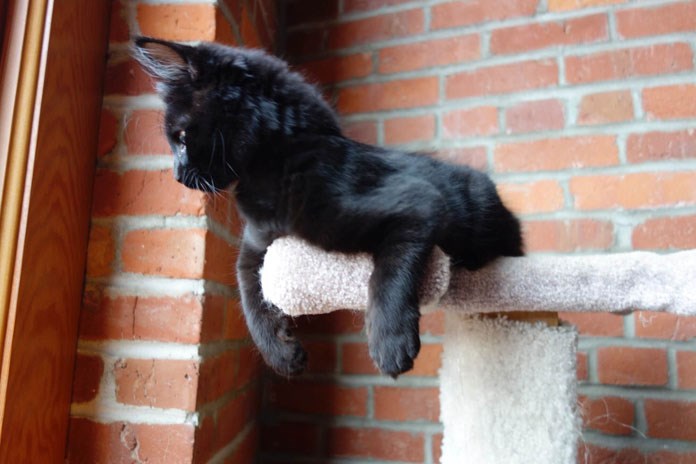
x: 286, y: 356
x: 393, y: 352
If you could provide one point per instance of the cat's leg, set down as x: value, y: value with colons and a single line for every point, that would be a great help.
x: 268, y: 326
x: 393, y: 310
x: 408, y: 212
x: 480, y: 228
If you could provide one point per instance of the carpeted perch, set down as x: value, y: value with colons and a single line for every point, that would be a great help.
x: 507, y: 388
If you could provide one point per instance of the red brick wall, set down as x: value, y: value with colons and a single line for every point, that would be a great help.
x: 583, y: 111
x: 165, y: 371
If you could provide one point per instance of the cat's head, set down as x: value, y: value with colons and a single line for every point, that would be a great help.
x: 223, y: 103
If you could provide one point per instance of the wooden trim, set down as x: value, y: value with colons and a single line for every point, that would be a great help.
x: 26, y: 31
x: 49, y: 152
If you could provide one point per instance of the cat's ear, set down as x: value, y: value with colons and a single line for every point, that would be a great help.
x: 168, y: 62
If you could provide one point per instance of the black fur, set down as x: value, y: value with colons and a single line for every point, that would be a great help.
x: 250, y: 121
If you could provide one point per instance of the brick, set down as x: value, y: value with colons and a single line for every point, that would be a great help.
x: 101, y: 251
x: 318, y: 398
x: 338, y: 322
x: 235, y: 8
x: 157, y: 383
x: 171, y: 319
x: 582, y: 367
x: 565, y: 5
x: 236, y: 414
x: 235, y: 325
x: 595, y: 324
x: 246, y: 451
x: 587, y: 29
x: 542, y: 196
x: 671, y: 457
x: 432, y: 323
x: 609, y: 415
x: 659, y: 146
x: 621, y: 64
x: 218, y: 209
x: 108, y: 133
x: 634, y: 191
x: 467, y: 122
x: 223, y: 30
x: 664, y: 326
x: 351, y: 6
x: 671, y: 419
x: 428, y: 362
x: 206, y: 438
x: 143, y: 133
x: 429, y: 54
x: 376, y: 28
x: 118, y: 26
x: 212, y: 323
x: 310, y: 11
x: 437, y: 447
x: 248, y: 31
x: 605, y: 108
x: 219, y: 260
x: 339, y: 68
x: 381, y: 444
x: 409, y: 129
x: 223, y: 210
x: 474, y: 157
x: 91, y: 442
x: 670, y: 233
x: 356, y: 360
x: 568, y: 235
x: 466, y: 12
x: 321, y: 357
x: 177, y: 22
x: 136, y: 193
x: 670, y: 102
x: 399, y: 94
x: 171, y: 253
x: 307, y: 42
x: 87, y: 377
x: 686, y: 369
x: 589, y: 453
x: 290, y: 438
x: 250, y: 34
x: 556, y: 154
x: 534, y: 116
x: 632, y: 366
x: 127, y: 78
x: 407, y: 404
x: 249, y: 367
x: 218, y: 376
x: 266, y: 21
x: 660, y: 19
x: 502, y: 79
x: 361, y: 131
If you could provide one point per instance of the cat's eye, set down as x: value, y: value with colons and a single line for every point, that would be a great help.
x: 181, y: 136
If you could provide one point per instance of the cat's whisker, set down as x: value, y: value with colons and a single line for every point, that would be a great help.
x: 231, y: 168
x: 222, y: 139
x: 212, y: 153
x: 224, y: 154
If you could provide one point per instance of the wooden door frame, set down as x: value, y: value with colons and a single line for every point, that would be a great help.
x: 51, y: 78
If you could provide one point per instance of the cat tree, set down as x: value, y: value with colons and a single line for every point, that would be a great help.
x: 507, y: 388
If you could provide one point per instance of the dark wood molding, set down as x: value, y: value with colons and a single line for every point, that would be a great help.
x: 46, y: 201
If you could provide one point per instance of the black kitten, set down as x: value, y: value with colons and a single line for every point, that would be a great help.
x: 238, y: 115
